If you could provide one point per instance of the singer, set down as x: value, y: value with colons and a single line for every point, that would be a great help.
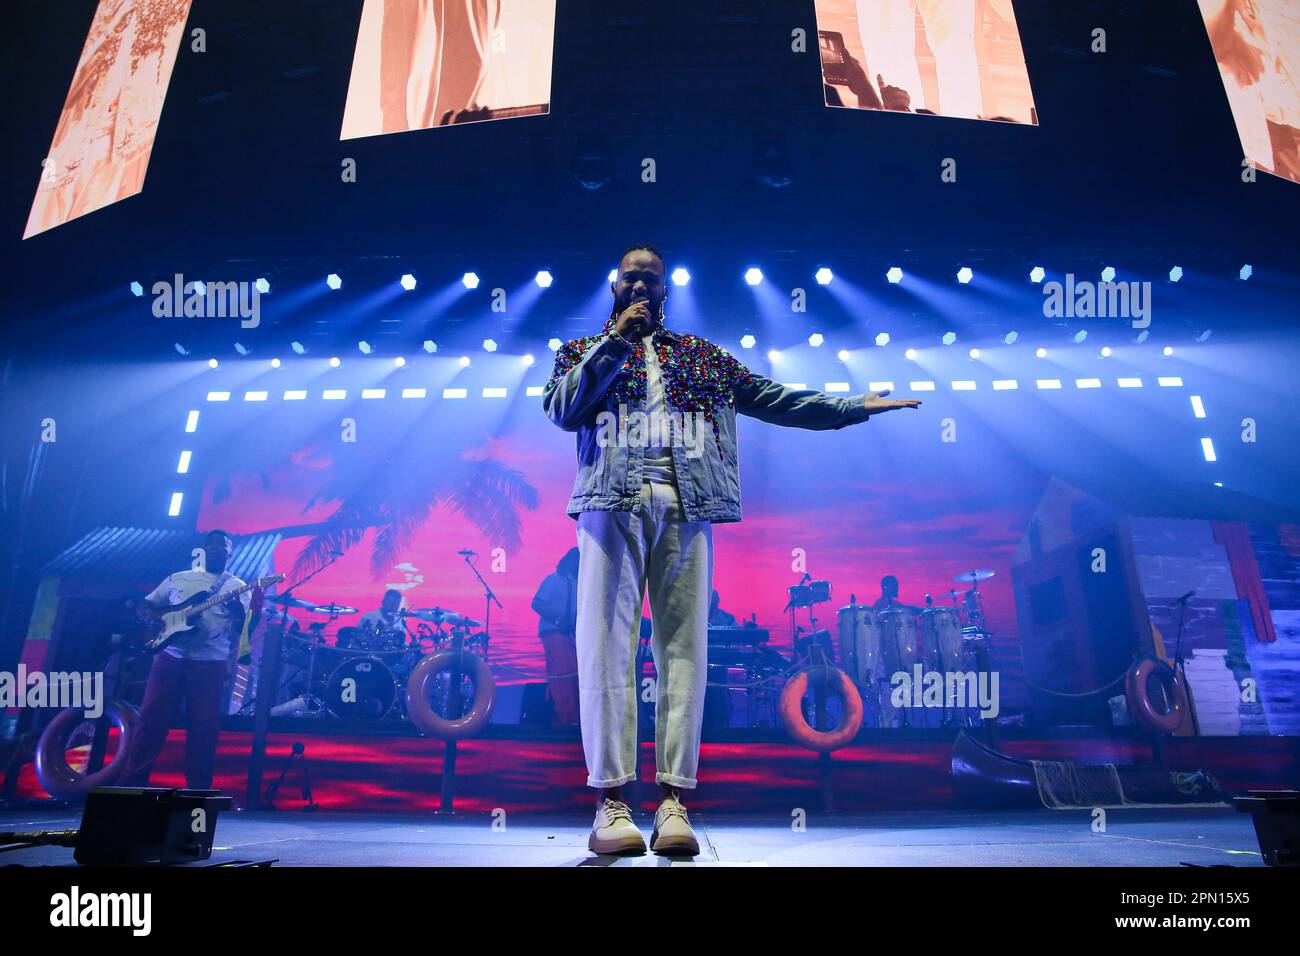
x: 645, y: 503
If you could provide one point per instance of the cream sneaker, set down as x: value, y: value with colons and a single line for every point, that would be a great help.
x: 614, y: 831
x: 672, y: 832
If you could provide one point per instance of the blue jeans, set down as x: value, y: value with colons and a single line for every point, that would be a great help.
x: 622, y: 554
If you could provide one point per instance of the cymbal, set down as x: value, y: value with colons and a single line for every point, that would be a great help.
x: 970, y: 577
x: 333, y: 609
x: 438, y: 615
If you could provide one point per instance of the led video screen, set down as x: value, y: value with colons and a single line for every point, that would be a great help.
x: 425, y: 63
x: 105, y: 134
x: 959, y: 58
x: 1257, y: 46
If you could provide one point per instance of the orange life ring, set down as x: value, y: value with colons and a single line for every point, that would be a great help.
x: 1140, y: 705
x: 822, y: 741
x: 420, y: 683
x: 58, y: 778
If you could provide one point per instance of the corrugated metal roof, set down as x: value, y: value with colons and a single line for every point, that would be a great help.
x: 152, y: 554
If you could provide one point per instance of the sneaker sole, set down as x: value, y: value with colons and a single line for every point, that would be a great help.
x: 624, y: 845
x: 674, y: 846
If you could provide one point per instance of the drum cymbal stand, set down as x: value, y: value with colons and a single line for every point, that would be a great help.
x: 299, y: 750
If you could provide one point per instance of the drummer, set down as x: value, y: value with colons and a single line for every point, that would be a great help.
x: 888, y: 594
x: 388, y: 618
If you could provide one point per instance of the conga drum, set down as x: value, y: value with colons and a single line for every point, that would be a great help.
x: 897, y: 640
x: 941, y: 630
x: 859, y: 635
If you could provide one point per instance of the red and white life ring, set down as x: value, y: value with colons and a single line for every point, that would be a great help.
x: 791, y: 707
x: 420, y: 685
x: 1140, y: 705
x: 57, y: 776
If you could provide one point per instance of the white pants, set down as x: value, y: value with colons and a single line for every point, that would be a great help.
x: 621, y: 553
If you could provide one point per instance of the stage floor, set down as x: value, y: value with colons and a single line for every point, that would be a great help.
x: 1164, y: 837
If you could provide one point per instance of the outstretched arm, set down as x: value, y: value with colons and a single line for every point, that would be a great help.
x: 759, y: 397
x: 579, y: 381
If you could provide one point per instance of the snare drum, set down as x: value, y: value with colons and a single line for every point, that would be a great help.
x: 941, y: 629
x: 897, y: 640
x: 361, y: 688
x: 859, y: 635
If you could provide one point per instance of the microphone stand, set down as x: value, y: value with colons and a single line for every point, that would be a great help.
x: 489, y: 596
x: 268, y: 685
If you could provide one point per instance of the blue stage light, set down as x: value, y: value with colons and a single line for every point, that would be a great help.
x: 753, y: 275
x: 365, y: 347
x: 137, y: 289
x: 1036, y: 274
x: 1175, y: 273
x: 964, y: 275
x: 333, y: 281
x: 1010, y: 338
x: 747, y: 341
x: 824, y: 276
x: 816, y: 339
x: 544, y: 279
x: 1108, y: 274
x: 469, y: 280
x: 681, y: 276
x: 408, y: 282
x: 298, y: 347
x: 399, y: 361
x: 335, y: 362
x: 489, y: 345
x: 1245, y: 273
x: 262, y: 286
x: 882, y: 339
x: 894, y: 275
x: 949, y: 338
x: 430, y: 346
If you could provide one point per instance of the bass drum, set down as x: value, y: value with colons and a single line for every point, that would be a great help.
x: 64, y: 749
x: 859, y: 634
x: 941, y: 632
x: 897, y: 640
x: 360, y: 688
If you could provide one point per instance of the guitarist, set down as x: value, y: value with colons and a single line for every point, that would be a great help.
x: 192, y: 669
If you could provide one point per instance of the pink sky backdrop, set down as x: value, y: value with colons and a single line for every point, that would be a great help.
x: 853, y: 531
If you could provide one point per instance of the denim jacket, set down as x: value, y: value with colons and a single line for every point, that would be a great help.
x: 598, y: 386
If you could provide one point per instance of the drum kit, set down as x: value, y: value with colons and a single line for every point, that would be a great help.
x: 363, y: 674
x: 877, y: 643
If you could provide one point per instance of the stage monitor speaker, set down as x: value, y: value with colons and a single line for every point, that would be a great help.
x: 134, y: 825
x: 1276, y: 815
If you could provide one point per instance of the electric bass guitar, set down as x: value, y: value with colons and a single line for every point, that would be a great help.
x: 177, y: 620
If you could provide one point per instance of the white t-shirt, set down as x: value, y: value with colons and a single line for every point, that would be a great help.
x: 210, y: 639
x: 658, y: 459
